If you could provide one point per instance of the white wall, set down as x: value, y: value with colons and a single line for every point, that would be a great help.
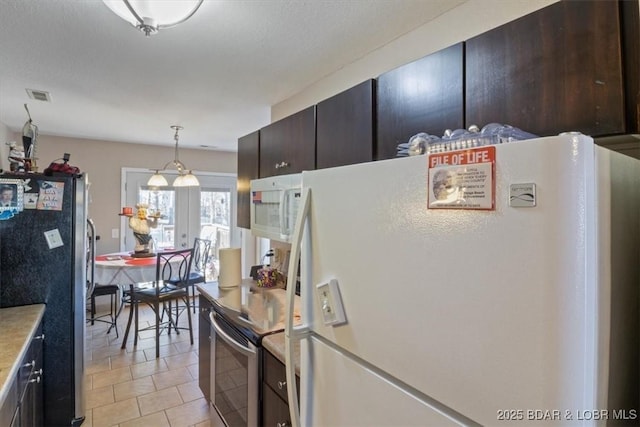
x: 103, y: 161
x: 5, y: 136
x: 464, y: 22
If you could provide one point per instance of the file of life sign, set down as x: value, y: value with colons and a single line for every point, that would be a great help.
x: 463, y: 179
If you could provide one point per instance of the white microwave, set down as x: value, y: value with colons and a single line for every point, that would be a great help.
x: 274, y: 206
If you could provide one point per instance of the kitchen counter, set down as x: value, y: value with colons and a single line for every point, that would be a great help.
x: 18, y: 326
x: 275, y: 345
x: 262, y: 309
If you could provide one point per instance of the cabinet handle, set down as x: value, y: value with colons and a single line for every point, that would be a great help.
x: 35, y: 380
x: 39, y: 337
x: 282, y: 384
x: 283, y: 424
x: 29, y: 364
x: 282, y: 165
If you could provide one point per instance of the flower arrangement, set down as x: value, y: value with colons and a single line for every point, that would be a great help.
x: 269, y: 277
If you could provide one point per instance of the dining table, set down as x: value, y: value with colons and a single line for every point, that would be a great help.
x: 121, y: 268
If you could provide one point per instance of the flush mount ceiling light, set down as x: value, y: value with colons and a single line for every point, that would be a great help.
x: 185, y: 177
x: 149, y: 16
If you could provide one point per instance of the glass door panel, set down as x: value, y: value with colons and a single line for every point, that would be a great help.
x: 207, y: 212
x: 163, y: 201
x: 215, y: 224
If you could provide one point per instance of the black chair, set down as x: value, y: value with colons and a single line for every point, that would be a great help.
x: 172, y: 273
x: 112, y: 292
x: 201, y: 254
x: 95, y: 290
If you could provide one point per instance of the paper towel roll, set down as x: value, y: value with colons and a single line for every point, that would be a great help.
x: 230, y: 270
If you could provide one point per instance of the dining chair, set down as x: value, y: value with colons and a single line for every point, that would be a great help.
x: 172, y: 273
x: 198, y: 274
x: 94, y: 289
x: 111, y: 317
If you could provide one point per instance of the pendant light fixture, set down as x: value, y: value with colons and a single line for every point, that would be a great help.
x: 149, y: 16
x: 185, y: 177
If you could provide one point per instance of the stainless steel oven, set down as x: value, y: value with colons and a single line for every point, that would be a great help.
x: 235, y: 380
x: 239, y: 319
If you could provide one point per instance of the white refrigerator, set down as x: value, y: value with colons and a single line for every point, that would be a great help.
x: 495, y: 285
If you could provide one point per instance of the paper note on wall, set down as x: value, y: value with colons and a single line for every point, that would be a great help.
x: 30, y: 200
x: 51, y: 195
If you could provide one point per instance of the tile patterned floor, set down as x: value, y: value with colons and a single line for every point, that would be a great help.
x: 131, y: 388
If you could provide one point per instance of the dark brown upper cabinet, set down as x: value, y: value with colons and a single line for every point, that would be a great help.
x: 289, y: 145
x: 557, y: 69
x: 345, y: 127
x: 248, y: 169
x: 423, y: 96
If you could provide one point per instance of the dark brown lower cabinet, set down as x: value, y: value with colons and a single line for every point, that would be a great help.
x: 275, y: 411
x: 32, y: 403
x: 23, y: 405
x: 204, y: 347
x: 275, y: 406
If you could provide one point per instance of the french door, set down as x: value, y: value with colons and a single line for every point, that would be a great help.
x: 208, y: 212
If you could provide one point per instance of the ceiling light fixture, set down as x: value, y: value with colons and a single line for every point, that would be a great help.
x: 149, y: 16
x: 185, y: 177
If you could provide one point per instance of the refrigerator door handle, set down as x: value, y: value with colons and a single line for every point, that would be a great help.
x: 290, y: 332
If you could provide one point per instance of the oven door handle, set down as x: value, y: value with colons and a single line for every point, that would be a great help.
x: 228, y: 339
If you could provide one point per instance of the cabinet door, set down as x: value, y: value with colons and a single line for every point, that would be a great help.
x: 557, y: 69
x: 248, y: 164
x: 423, y: 96
x: 275, y: 375
x: 289, y: 145
x: 345, y: 127
x: 204, y: 348
x: 31, y: 405
x: 275, y: 411
x: 36, y: 386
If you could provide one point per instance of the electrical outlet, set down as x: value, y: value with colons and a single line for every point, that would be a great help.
x: 331, y: 303
x: 115, y: 233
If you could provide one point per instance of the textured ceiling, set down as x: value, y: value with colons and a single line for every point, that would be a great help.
x: 216, y: 74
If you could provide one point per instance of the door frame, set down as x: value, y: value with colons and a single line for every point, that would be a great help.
x: 236, y: 240
x: 251, y: 249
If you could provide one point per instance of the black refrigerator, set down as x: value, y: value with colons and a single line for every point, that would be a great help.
x: 43, y: 258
